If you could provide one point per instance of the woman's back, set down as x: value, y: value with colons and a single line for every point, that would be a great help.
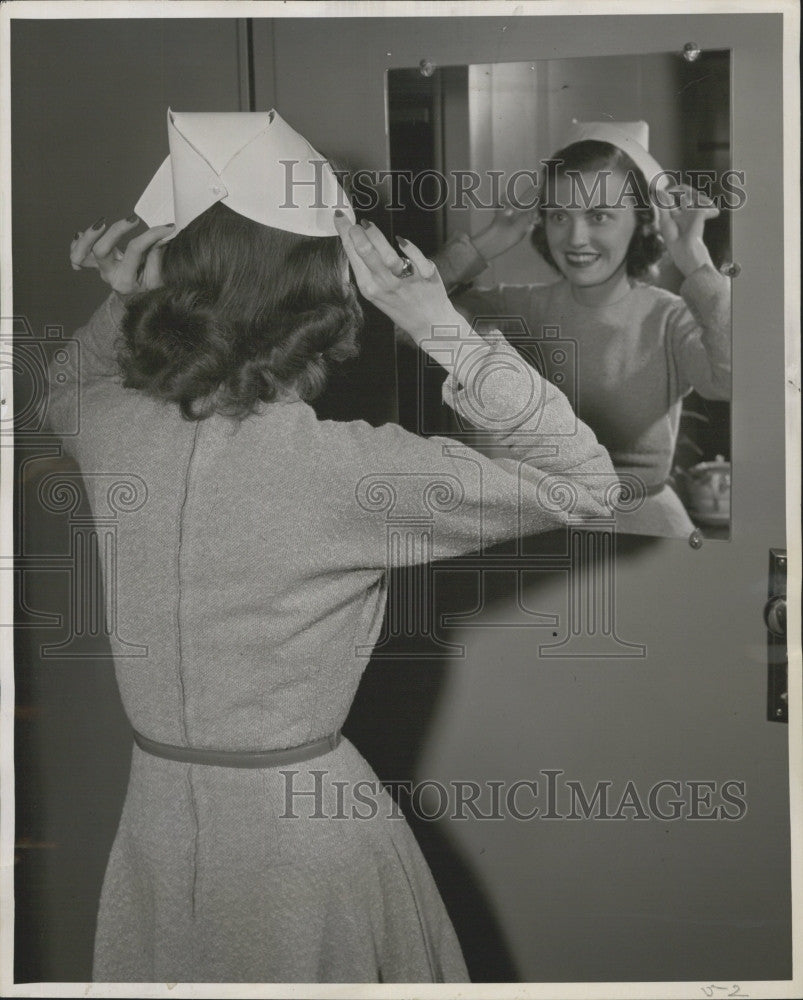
x: 232, y: 573
x: 241, y: 567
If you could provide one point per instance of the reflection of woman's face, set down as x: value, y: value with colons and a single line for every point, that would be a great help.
x: 589, y: 238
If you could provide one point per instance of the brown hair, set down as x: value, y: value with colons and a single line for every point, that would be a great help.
x: 245, y: 311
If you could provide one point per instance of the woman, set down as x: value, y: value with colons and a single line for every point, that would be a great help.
x: 603, y: 223
x: 255, y: 844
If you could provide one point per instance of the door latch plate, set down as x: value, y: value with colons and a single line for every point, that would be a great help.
x: 777, y: 656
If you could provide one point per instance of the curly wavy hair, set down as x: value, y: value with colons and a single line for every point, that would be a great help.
x: 646, y: 245
x: 245, y: 313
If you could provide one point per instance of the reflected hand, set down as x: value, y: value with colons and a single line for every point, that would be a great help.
x: 682, y: 227
x: 135, y: 269
x: 416, y: 303
x: 509, y: 225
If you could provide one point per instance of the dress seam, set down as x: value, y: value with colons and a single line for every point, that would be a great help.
x: 195, y: 841
x: 179, y: 648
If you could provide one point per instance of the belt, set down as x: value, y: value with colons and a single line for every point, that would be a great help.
x: 238, y: 758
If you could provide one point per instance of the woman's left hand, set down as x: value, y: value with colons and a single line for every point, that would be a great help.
x: 682, y: 227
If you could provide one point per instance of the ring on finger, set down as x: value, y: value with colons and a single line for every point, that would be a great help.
x: 407, y: 268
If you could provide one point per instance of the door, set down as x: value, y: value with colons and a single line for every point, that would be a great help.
x: 678, y: 700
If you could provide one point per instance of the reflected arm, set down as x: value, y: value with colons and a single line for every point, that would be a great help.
x: 700, y: 334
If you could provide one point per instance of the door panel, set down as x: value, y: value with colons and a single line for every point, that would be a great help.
x: 599, y: 899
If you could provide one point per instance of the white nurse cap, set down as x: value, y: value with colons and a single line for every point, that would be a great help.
x: 252, y: 162
x: 632, y: 138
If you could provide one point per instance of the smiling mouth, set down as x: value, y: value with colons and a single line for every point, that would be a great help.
x: 581, y: 259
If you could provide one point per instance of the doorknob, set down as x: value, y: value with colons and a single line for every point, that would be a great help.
x: 775, y: 620
x: 775, y: 616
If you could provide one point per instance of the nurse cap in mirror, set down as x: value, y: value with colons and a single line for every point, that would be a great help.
x: 252, y: 162
x: 632, y: 138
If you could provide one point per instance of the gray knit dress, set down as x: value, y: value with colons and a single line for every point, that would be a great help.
x: 247, y: 582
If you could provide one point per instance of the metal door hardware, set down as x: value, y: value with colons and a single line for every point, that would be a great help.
x: 775, y: 620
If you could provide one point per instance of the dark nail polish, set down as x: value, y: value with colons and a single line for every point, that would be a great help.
x: 365, y: 224
x: 76, y: 236
x: 133, y: 217
x: 99, y: 224
x: 339, y: 214
x: 402, y: 241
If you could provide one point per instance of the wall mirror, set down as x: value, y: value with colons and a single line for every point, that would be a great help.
x: 645, y: 371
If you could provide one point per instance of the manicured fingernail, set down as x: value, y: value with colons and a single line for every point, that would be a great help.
x: 100, y: 223
x: 133, y: 217
x: 402, y: 241
x: 76, y: 236
x: 365, y: 224
x: 339, y: 214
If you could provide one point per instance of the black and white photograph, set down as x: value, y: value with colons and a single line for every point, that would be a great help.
x: 400, y: 507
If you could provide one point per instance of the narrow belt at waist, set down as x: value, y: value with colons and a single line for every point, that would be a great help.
x: 239, y: 758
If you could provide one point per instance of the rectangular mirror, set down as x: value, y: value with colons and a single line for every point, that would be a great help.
x: 608, y: 301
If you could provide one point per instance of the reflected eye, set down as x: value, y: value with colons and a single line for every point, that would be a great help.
x: 600, y: 216
x: 556, y: 217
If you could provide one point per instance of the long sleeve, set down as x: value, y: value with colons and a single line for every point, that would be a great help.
x: 546, y: 467
x: 98, y: 339
x: 458, y: 262
x: 96, y: 360
x: 699, y: 335
x: 531, y: 419
x: 506, y: 307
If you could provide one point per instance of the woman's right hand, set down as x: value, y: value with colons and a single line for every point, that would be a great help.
x: 418, y: 303
x: 135, y: 269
